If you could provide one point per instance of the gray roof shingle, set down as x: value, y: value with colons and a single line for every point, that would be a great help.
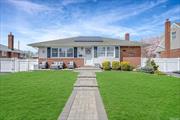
x: 5, y: 48
x: 85, y: 41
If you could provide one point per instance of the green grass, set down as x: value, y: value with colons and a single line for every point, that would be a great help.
x: 139, y: 96
x: 39, y: 95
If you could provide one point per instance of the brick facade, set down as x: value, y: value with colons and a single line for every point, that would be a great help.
x: 131, y: 54
x: 79, y: 62
x: 11, y: 41
x: 169, y: 53
x: 167, y: 38
x: 9, y: 55
x: 174, y: 53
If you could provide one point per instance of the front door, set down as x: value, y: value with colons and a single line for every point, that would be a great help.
x: 88, y: 56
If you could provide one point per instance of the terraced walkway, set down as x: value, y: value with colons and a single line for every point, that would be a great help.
x: 85, y: 102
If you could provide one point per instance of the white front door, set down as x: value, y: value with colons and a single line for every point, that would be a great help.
x: 88, y: 56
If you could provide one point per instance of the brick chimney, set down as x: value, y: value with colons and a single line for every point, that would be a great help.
x: 167, y: 37
x: 11, y: 41
x: 127, y: 36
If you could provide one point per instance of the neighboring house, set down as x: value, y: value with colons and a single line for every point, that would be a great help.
x: 9, y: 51
x: 169, y: 46
x: 89, y: 50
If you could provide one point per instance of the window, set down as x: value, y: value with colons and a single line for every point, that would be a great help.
x: 173, y: 35
x: 54, y: 52
x: 62, y: 52
x: 101, y: 51
x: 95, y: 52
x: 70, y: 52
x: 117, y: 52
x: 110, y: 51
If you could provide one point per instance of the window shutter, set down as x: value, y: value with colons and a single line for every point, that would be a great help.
x: 116, y: 52
x: 75, y: 52
x: 95, y: 52
x: 48, y: 52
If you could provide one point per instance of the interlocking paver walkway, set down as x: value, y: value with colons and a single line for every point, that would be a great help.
x: 85, y: 102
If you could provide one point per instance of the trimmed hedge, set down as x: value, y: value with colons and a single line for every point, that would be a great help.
x: 125, y: 66
x: 106, y: 65
x: 115, y: 65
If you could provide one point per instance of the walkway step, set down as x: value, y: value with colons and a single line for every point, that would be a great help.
x: 86, y: 76
x: 86, y: 82
x: 85, y: 102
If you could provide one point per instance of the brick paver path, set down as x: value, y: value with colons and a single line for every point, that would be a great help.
x: 85, y: 102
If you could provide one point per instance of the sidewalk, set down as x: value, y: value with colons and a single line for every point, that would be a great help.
x: 85, y: 102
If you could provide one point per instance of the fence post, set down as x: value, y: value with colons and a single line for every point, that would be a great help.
x: 165, y: 65
x: 0, y: 65
x: 178, y: 64
x: 28, y: 64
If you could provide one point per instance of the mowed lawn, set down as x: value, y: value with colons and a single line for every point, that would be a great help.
x: 139, y: 96
x: 39, y: 95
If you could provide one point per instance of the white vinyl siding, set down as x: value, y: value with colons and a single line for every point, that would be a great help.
x: 42, y: 52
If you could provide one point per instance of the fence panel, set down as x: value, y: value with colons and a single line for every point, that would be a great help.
x: 15, y: 65
x: 165, y: 64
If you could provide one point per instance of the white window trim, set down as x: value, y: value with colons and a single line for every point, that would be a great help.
x: 57, y: 53
x: 106, y: 52
x: 113, y: 52
x: 65, y: 52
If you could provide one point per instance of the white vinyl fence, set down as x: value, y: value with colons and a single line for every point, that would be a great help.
x: 165, y: 64
x: 16, y: 65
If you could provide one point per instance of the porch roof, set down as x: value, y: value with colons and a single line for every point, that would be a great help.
x: 86, y: 41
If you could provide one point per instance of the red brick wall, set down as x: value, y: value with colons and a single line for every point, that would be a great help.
x: 79, y: 62
x: 10, y: 55
x: 131, y: 54
x: 174, y: 53
x: 11, y: 41
x: 167, y: 38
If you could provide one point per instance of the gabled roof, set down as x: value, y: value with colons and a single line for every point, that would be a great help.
x: 85, y: 41
x: 5, y: 48
x: 178, y: 24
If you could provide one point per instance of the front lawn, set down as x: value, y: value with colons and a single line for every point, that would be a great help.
x: 139, y: 96
x: 39, y: 95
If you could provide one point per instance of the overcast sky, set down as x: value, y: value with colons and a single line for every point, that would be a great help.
x: 41, y: 20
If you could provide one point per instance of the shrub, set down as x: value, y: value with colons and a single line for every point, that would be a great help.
x: 126, y: 66
x: 155, y: 67
x: 150, y: 67
x: 106, y: 65
x: 115, y: 65
x: 147, y: 69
